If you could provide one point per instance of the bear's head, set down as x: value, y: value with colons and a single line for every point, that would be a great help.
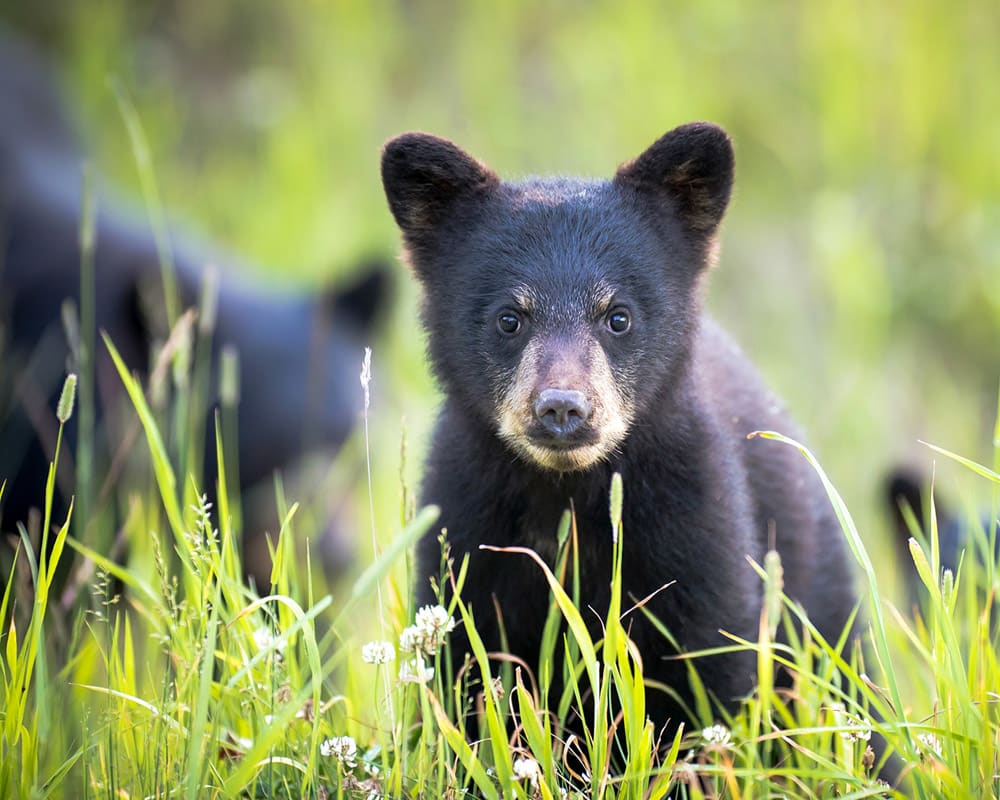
x: 559, y: 310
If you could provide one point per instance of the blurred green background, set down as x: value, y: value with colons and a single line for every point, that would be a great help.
x: 861, y: 257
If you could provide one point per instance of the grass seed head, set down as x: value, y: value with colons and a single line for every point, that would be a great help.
x: 64, y: 410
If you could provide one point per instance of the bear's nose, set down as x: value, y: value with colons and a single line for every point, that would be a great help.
x: 562, y: 411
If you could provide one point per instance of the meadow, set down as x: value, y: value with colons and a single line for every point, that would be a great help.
x: 859, y: 270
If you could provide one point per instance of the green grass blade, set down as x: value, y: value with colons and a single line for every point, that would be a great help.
x: 366, y: 582
x: 458, y: 744
x: 121, y: 573
x: 976, y: 467
x: 198, y: 762
x: 860, y: 553
x: 151, y: 197
x: 502, y: 760
x: 88, y: 348
x: 55, y: 780
x: 569, y: 611
x: 162, y: 469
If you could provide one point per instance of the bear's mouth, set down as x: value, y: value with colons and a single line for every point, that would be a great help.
x: 563, y: 456
x: 540, y: 436
x: 571, y: 453
x: 560, y: 445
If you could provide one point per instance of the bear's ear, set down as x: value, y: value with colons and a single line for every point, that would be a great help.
x: 423, y: 176
x: 691, y: 165
x: 364, y: 299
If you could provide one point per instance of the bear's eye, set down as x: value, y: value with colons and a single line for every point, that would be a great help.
x: 508, y: 323
x: 619, y: 321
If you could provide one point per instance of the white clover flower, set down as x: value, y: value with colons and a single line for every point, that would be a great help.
x: 432, y: 627
x: 343, y: 748
x: 857, y: 730
x: 718, y: 735
x: 930, y: 743
x: 240, y: 741
x: 860, y: 730
x: 436, y: 621
x: 378, y: 652
x: 414, y: 671
x: 526, y: 769
x: 412, y: 640
x: 264, y: 638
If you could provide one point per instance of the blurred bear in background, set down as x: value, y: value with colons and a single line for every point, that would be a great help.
x: 299, y: 355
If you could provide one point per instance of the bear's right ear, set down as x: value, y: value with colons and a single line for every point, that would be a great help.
x: 692, y: 166
x: 423, y: 175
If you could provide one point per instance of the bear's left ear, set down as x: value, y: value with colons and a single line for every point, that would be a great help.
x: 692, y: 166
x: 423, y: 176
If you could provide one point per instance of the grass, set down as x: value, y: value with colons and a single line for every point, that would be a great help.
x: 192, y: 683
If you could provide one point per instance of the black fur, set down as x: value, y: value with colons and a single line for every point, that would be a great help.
x: 699, y: 497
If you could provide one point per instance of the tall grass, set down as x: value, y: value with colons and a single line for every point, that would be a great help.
x: 26, y: 724
x: 193, y: 684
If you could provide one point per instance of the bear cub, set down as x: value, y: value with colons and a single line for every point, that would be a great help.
x: 565, y: 327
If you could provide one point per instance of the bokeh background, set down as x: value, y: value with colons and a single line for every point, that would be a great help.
x: 861, y: 255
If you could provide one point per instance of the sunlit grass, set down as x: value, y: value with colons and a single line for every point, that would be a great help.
x: 194, y: 684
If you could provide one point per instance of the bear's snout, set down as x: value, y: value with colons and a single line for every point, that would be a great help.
x: 562, y: 411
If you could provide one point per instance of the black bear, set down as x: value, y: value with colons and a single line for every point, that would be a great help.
x: 564, y: 324
x: 300, y: 354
